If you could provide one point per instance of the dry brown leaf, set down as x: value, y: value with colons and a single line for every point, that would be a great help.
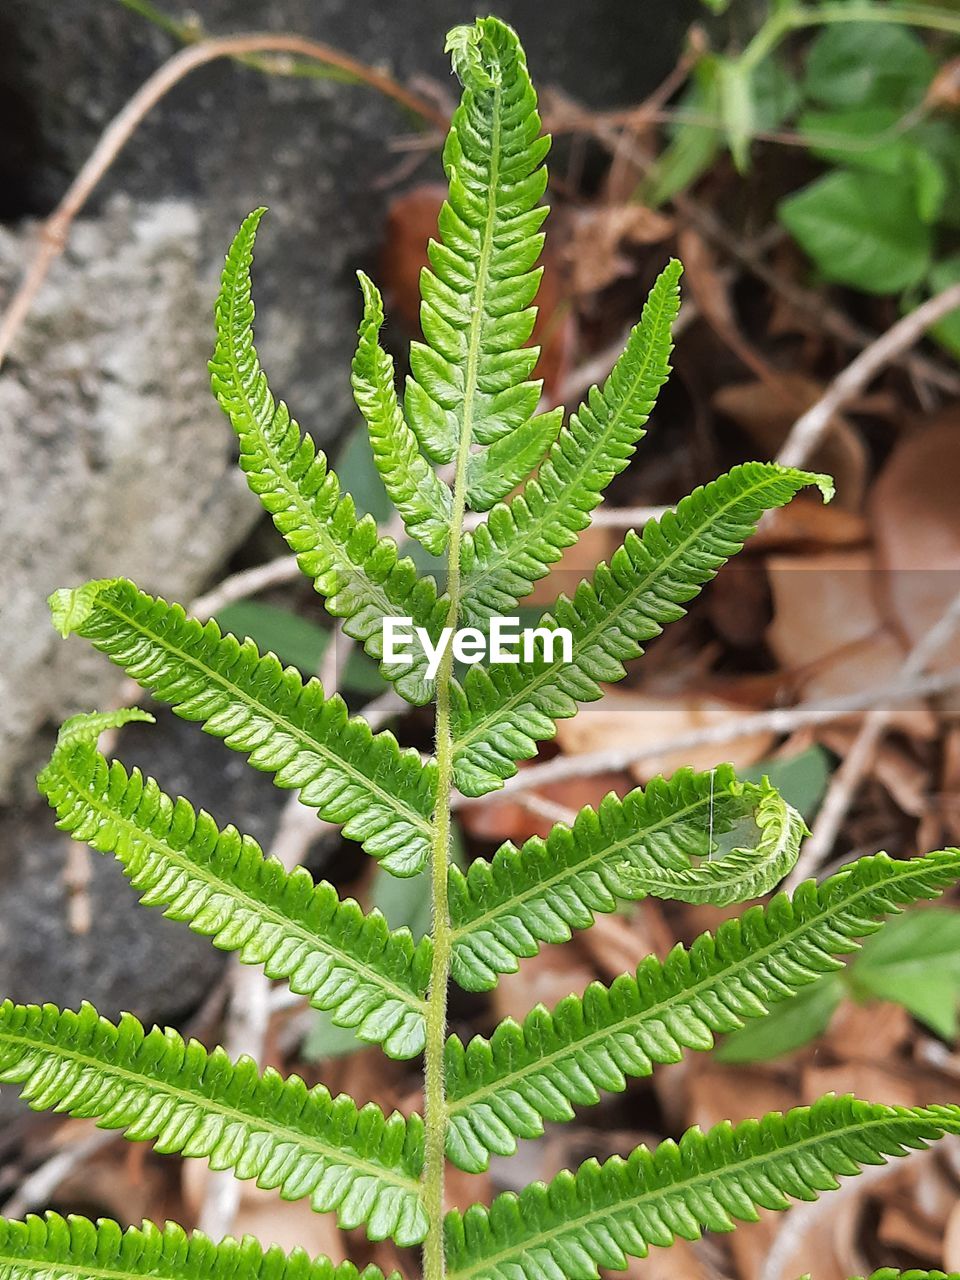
x: 288, y: 1223
x: 907, y: 781
x: 411, y: 222
x: 944, y: 91
x: 600, y: 239
x: 951, y: 1241
x: 578, y: 561
x: 902, y: 1227
x: 915, y: 517
x: 555, y: 972
x: 886, y: 1027
x: 826, y: 625
x: 767, y: 411
x: 636, y: 719
x: 805, y: 524
x: 617, y: 944
x: 679, y: 1262
x: 496, y: 820
x: 865, y: 1079
x: 950, y: 783
x: 461, y: 1190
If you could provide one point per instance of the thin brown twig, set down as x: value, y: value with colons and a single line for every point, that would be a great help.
x: 779, y: 720
x: 243, y: 584
x: 852, y: 769
x: 829, y: 319
x: 54, y: 230
x: 811, y: 428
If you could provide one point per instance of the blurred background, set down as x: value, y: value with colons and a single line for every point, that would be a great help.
x: 804, y: 162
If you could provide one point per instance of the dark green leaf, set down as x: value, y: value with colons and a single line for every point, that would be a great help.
x: 856, y: 64
x: 915, y: 962
x: 801, y: 779
x: 787, y: 1026
x: 861, y: 229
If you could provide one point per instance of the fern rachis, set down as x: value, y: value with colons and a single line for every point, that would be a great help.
x: 470, y: 402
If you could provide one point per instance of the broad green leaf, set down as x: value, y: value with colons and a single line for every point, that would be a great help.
x: 915, y: 962
x: 801, y: 779
x: 861, y: 229
x: 857, y: 64
x: 788, y: 1026
x: 694, y: 146
x: 862, y: 140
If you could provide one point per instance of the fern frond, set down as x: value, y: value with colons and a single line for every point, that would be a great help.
x: 361, y: 574
x: 220, y: 883
x: 501, y: 711
x: 158, y: 1088
x: 517, y: 544
x: 656, y: 841
x: 382, y: 796
x: 414, y: 488
x: 504, y: 1088
x: 55, y: 1246
x: 604, y: 1214
x: 470, y: 380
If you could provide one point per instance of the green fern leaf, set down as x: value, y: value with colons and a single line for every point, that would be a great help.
x: 604, y: 1214
x: 360, y: 574
x: 220, y: 883
x: 656, y: 841
x: 503, y: 1089
x: 158, y: 1088
x: 415, y: 489
x: 470, y: 380
x: 891, y: 1273
x: 54, y: 1246
x: 381, y: 795
x: 501, y: 712
x: 515, y: 547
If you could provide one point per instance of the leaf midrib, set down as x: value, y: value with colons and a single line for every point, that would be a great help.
x: 356, y: 572
x: 686, y: 996
x: 543, y: 886
x: 551, y: 514
x: 611, y: 614
x: 730, y: 1171
x: 256, y: 906
x: 281, y: 722
x: 155, y: 1085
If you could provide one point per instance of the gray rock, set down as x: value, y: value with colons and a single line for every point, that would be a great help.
x: 116, y: 458
x: 316, y: 151
x: 110, y: 442
x: 132, y: 958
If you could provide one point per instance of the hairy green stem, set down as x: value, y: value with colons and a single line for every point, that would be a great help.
x: 435, y: 1102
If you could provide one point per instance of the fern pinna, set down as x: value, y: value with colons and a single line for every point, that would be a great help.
x: 464, y: 434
